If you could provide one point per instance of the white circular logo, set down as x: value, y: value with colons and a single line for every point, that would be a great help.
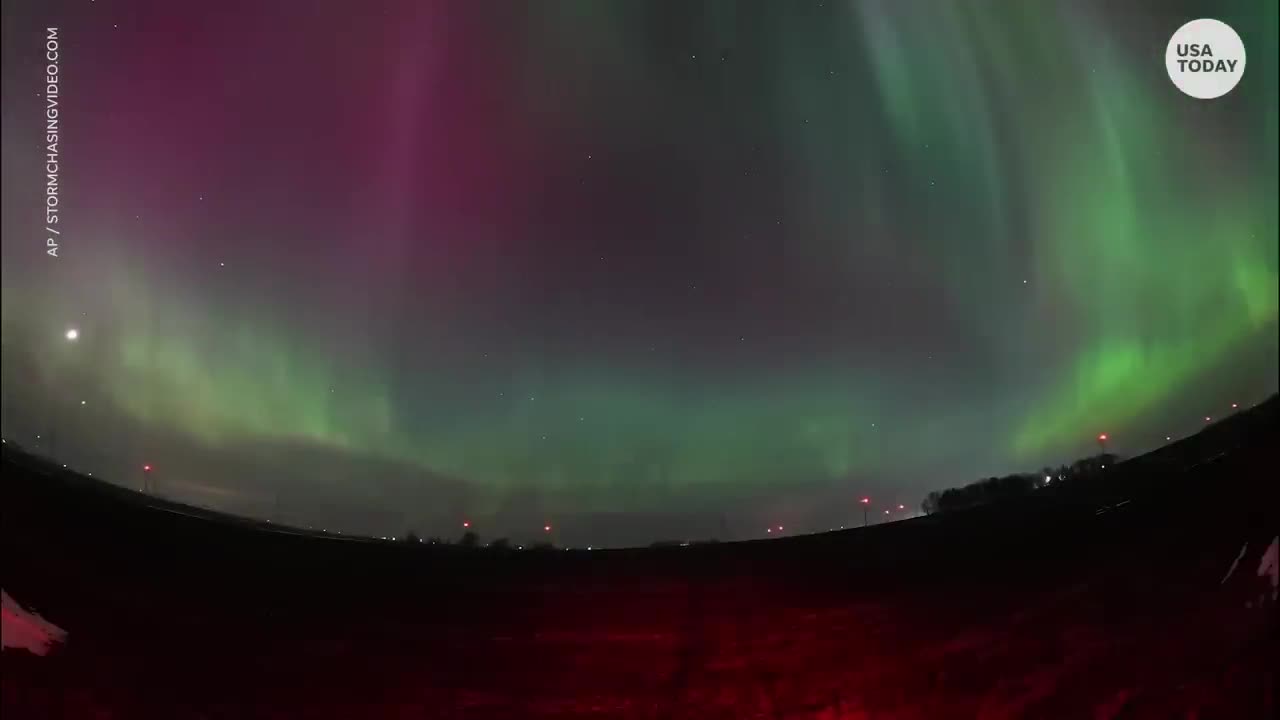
x: 1205, y: 58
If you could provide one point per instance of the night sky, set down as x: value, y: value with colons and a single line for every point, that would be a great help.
x: 642, y: 271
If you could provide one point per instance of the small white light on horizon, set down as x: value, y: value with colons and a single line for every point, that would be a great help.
x: 73, y: 334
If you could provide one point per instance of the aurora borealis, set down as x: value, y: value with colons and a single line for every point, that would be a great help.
x: 642, y: 270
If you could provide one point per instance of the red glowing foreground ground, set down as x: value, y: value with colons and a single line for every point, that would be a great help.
x: 1073, y: 603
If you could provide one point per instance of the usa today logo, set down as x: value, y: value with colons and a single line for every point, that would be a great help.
x: 1205, y: 58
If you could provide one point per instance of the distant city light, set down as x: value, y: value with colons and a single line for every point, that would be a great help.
x: 1234, y: 406
x: 1208, y: 419
x: 466, y: 523
x: 866, y: 500
x: 902, y: 507
x: 546, y: 528
x: 146, y: 468
x: 768, y: 530
x: 73, y: 334
x: 1103, y: 437
x: 779, y: 528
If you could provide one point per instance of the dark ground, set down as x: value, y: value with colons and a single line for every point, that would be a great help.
x: 1069, y: 603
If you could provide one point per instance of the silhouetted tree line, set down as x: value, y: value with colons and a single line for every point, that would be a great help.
x: 470, y: 539
x: 1000, y: 488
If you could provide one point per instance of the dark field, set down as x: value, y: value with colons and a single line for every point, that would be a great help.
x: 1098, y: 599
